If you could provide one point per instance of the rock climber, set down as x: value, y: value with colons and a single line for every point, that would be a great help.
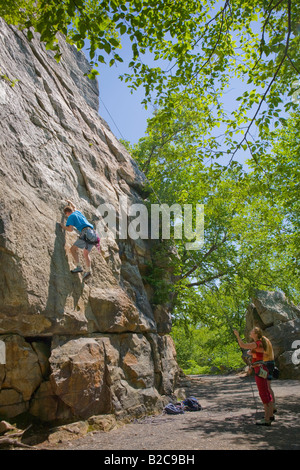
x: 257, y: 348
x: 87, y: 238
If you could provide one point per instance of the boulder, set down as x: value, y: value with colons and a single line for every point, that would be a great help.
x: 114, y: 311
x: 78, y: 376
x: 12, y: 403
x: 22, y: 369
x: 103, y: 423
x: 45, y: 403
x: 273, y: 308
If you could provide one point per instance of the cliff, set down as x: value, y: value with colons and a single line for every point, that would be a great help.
x: 70, y: 349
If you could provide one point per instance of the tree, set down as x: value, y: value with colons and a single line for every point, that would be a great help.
x: 251, y: 230
x: 278, y: 175
x: 244, y: 232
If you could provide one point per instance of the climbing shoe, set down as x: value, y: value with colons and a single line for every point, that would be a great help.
x: 263, y: 422
x: 77, y: 270
x: 86, y: 275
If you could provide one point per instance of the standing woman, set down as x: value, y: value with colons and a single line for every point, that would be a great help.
x: 257, y: 347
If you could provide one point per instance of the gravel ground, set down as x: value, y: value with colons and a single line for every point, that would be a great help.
x: 230, y: 407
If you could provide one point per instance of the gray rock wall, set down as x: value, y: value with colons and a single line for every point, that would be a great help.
x: 73, y: 349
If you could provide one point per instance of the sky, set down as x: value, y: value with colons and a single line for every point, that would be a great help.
x: 127, y: 117
x: 121, y: 109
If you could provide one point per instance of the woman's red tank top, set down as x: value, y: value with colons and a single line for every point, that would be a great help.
x: 259, y: 355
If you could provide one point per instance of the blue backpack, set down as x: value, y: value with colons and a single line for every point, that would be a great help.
x: 191, y: 404
x: 172, y: 409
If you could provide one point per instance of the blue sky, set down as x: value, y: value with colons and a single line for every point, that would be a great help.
x: 121, y: 109
x: 125, y: 114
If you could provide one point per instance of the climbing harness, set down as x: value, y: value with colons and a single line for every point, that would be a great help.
x: 90, y: 237
x: 263, y: 370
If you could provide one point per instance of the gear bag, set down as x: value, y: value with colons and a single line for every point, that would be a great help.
x: 191, y: 404
x: 262, y: 372
x: 172, y: 409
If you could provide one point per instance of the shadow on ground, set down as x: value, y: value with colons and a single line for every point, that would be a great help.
x: 232, y: 406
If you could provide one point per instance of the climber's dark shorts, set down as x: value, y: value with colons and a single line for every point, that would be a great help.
x: 83, y: 244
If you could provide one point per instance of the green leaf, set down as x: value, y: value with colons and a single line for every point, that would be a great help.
x: 93, y: 73
x: 114, y: 42
x: 107, y: 47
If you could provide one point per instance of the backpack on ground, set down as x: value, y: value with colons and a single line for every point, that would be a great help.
x: 172, y: 409
x: 191, y: 404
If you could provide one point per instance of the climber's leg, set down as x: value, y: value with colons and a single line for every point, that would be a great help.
x: 86, y: 255
x: 75, y: 254
x: 82, y: 245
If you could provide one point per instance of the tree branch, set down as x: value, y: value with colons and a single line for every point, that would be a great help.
x: 208, y: 279
x: 270, y: 84
x: 211, y: 250
x: 215, y: 45
x: 263, y: 30
x: 12, y: 439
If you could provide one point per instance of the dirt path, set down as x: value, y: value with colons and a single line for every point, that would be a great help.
x: 226, y: 422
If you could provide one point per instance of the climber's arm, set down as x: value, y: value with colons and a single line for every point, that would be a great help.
x: 69, y: 228
x: 243, y: 345
x: 71, y: 204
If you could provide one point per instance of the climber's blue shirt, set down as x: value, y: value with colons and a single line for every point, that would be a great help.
x: 77, y: 220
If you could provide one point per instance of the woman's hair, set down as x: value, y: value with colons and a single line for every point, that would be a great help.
x: 68, y: 209
x: 260, y: 336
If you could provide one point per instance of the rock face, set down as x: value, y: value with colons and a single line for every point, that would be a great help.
x: 280, y: 320
x: 72, y: 349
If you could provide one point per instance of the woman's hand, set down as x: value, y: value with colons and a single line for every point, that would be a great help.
x: 71, y: 204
